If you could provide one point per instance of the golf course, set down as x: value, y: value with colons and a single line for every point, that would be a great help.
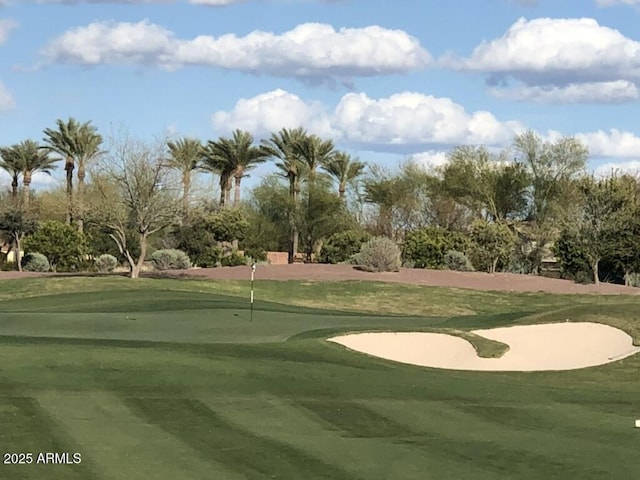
x: 175, y: 378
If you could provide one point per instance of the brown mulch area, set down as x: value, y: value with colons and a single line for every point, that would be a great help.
x: 443, y: 278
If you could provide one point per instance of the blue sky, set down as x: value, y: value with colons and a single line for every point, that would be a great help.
x: 387, y: 80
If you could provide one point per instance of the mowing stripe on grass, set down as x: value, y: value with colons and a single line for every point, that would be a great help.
x: 128, y: 447
x: 249, y: 454
x: 26, y: 427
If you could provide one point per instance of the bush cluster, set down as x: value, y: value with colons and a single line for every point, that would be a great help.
x: 341, y: 246
x: 35, y: 262
x: 380, y: 254
x: 106, y: 263
x: 170, y: 259
x: 458, y: 261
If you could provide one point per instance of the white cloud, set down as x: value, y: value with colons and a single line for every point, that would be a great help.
x: 6, y: 25
x: 6, y: 100
x: 631, y: 167
x: 310, y: 51
x: 611, y: 144
x: 564, y: 53
x: 597, y: 92
x: 271, y: 111
x: 611, y: 3
x: 39, y: 180
x: 405, y: 122
x: 430, y: 160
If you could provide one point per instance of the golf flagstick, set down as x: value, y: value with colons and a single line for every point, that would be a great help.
x: 253, y: 271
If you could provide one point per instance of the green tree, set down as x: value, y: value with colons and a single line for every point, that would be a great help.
x: 15, y: 223
x: 321, y: 215
x: 314, y: 152
x: 554, y: 169
x: 281, y: 147
x: 605, y: 211
x: 63, y: 245
x: 485, y: 183
x: 270, y: 214
x: 185, y: 156
x: 491, y: 243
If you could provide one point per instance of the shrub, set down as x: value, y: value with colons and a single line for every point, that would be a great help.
x: 341, y: 246
x: 106, y: 263
x: 457, y: 261
x: 256, y: 254
x: 35, y: 262
x: 8, y: 266
x: 233, y: 260
x: 491, y: 245
x: 380, y: 254
x: 427, y: 247
x: 209, y: 257
x: 62, y: 244
x: 170, y: 259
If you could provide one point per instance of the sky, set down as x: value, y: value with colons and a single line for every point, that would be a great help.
x: 386, y: 80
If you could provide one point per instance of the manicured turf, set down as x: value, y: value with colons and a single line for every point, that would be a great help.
x: 169, y: 379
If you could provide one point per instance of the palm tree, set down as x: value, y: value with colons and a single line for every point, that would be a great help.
x: 88, y: 143
x: 213, y: 162
x: 76, y: 143
x: 314, y: 152
x: 281, y: 147
x: 10, y: 163
x: 186, y: 155
x: 62, y: 142
x: 345, y: 169
x: 233, y: 157
x: 33, y: 158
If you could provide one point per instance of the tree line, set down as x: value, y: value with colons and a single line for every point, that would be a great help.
x: 502, y: 211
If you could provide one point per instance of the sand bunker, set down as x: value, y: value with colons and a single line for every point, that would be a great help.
x: 557, y: 346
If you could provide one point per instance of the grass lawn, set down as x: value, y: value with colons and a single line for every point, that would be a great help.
x: 169, y: 379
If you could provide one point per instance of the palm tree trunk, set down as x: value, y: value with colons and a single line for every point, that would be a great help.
x: 69, y: 166
x: 26, y: 189
x: 186, y: 186
x: 293, y: 240
x: 80, y: 200
x: 236, y: 193
x: 14, y: 187
x: 341, y: 191
x: 227, y: 191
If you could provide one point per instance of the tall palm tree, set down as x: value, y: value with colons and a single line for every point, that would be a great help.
x: 233, y: 157
x: 62, y: 143
x: 88, y: 142
x: 281, y: 147
x: 76, y: 143
x: 185, y: 156
x: 10, y: 163
x: 314, y: 152
x: 33, y: 159
x: 213, y: 162
x: 345, y: 169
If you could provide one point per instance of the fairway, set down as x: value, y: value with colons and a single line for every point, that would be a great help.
x: 169, y: 379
